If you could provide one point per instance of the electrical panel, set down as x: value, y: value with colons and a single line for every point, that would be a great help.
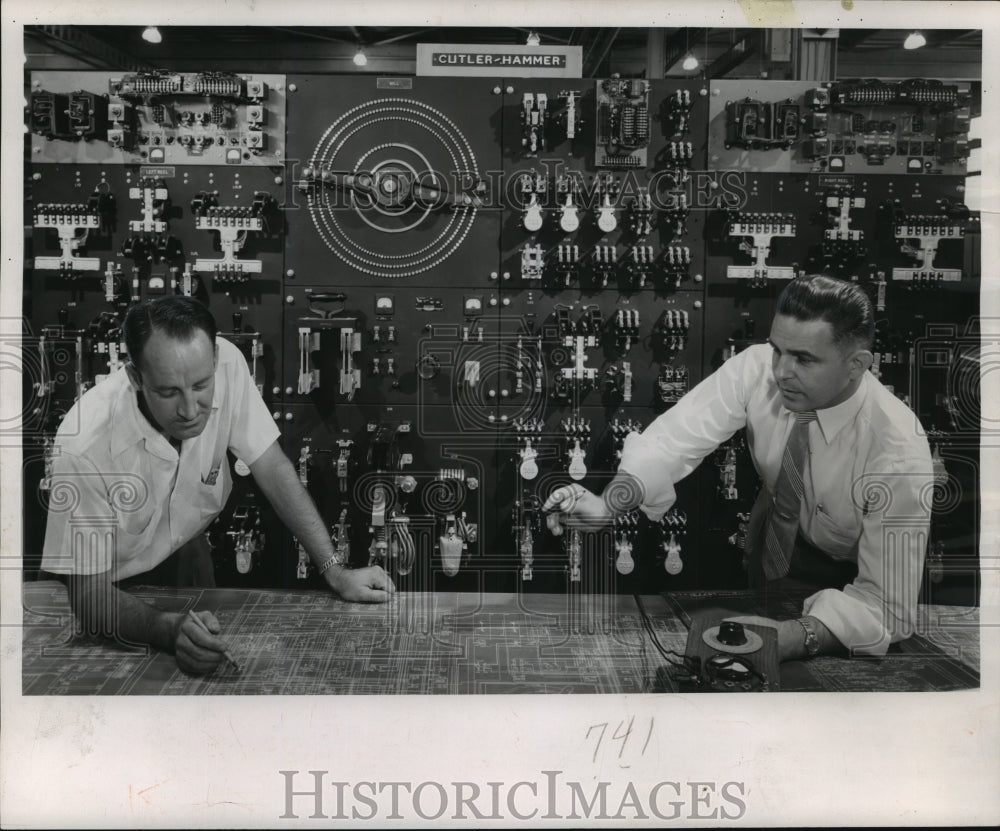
x: 457, y: 294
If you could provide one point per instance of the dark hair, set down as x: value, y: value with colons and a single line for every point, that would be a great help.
x: 845, y: 306
x: 175, y: 315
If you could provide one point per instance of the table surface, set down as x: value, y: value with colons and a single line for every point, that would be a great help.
x: 310, y: 642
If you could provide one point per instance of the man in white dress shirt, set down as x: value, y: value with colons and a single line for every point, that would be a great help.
x: 140, y: 470
x: 864, y: 489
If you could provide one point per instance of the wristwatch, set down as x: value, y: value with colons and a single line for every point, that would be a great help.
x: 812, y: 639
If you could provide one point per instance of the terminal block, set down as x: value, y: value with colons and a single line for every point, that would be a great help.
x: 155, y: 200
x: 760, y: 229
x: 577, y: 433
x: 571, y: 116
x: 622, y: 135
x: 873, y: 92
x: 56, y: 338
x: 350, y: 374
x: 591, y: 321
x: 676, y: 262
x: 70, y: 116
x: 341, y: 539
x: 523, y: 361
x: 233, y: 224
x: 574, y: 554
x: 672, y: 384
x: 454, y: 541
x: 569, y: 213
x: 624, y: 542
x: 678, y: 112
x: 927, y: 232
x: 579, y: 373
x: 309, y: 342
x: 761, y: 125
x: 343, y: 463
x: 73, y: 223
x: 121, y: 130
x: 113, y: 282
x: 605, y: 260
x: 527, y: 431
x: 676, y: 216
x: 618, y: 382
x: 607, y: 189
x: 679, y: 153
x: 641, y: 260
x: 674, y: 527
x: 626, y: 326
x: 391, y: 545
x: 527, y: 524
x: 843, y: 245
x: 49, y: 115
x: 533, y: 187
x: 566, y: 264
x: 247, y: 537
x: 641, y: 217
x: 82, y: 114
x: 672, y: 329
x: 527, y: 468
x: 534, y: 112
x: 149, y: 242
x: 305, y: 459
x: 739, y: 537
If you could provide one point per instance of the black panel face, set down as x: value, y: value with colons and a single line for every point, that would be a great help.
x: 457, y: 294
x: 390, y: 183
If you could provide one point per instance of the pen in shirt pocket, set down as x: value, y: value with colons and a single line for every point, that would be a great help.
x: 212, y: 478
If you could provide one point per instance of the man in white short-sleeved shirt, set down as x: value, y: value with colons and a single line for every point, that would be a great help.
x: 140, y: 470
x: 866, y: 481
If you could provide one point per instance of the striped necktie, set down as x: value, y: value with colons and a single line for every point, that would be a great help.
x: 783, y: 521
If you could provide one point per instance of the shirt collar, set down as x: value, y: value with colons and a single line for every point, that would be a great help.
x: 833, y: 419
x: 132, y: 427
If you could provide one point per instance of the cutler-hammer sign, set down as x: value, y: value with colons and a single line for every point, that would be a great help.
x: 522, y: 61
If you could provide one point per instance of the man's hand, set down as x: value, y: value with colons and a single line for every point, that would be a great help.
x: 576, y: 507
x: 366, y: 585
x: 199, y: 652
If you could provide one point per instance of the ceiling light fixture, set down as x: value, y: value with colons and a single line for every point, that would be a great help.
x: 533, y: 39
x: 690, y: 62
x: 360, y: 58
x: 152, y: 35
x: 914, y: 40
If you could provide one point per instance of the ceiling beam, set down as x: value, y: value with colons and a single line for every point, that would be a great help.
x: 679, y: 44
x: 746, y: 45
x: 305, y: 33
x: 72, y: 41
x: 601, y: 46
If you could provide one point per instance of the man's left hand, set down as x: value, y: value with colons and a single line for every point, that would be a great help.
x: 361, y: 585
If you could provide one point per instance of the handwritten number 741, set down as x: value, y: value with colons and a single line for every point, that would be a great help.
x: 621, y: 734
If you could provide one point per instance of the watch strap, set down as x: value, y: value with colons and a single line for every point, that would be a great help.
x: 812, y: 638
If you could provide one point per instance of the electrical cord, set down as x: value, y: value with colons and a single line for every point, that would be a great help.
x: 685, y: 662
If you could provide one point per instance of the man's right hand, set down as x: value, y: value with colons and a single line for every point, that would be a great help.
x: 199, y: 652
x: 361, y: 585
x: 575, y: 507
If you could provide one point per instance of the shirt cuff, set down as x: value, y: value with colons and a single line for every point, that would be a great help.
x: 852, y: 622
